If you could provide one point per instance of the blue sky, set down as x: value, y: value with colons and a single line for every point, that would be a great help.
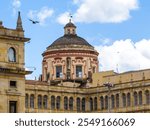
x: 119, y: 29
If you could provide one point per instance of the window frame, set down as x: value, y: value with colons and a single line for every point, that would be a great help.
x: 13, y: 84
x: 12, y: 55
x: 39, y: 102
x: 59, y: 71
x: 32, y: 101
x: 79, y: 71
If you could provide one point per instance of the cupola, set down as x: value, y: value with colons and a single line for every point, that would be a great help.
x: 70, y: 28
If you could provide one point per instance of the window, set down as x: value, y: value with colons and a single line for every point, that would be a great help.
x: 140, y: 98
x: 128, y: 100
x: 147, y: 97
x: 32, y: 101
x: 45, y: 102
x: 117, y: 100
x: 112, y: 101
x: 13, y: 84
x: 124, y: 99
x: 12, y: 106
x: 26, y: 100
x: 83, y: 104
x: 58, y: 71
x: 71, y: 103
x: 52, y: 102
x: 66, y: 103
x: 79, y: 71
x: 135, y: 99
x: 68, y: 31
x: 78, y: 104
x: 39, y: 101
x: 106, y: 102
x: 11, y: 55
x: 58, y: 103
x: 95, y: 103
x: 73, y: 31
x: 91, y: 104
x: 102, y: 103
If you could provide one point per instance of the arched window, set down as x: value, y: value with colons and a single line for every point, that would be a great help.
x: 112, y: 101
x: 71, y: 103
x: 52, y: 102
x: 102, y: 102
x: 11, y: 55
x: 65, y: 103
x: 31, y: 101
x: 135, y: 99
x: 78, y: 104
x: 147, y: 97
x: 83, y: 104
x: 128, y: 99
x: 58, y: 102
x: 140, y: 98
x: 106, y: 102
x: 117, y: 100
x: 124, y: 100
x: 39, y: 101
x: 95, y: 103
x: 27, y: 101
x: 45, y: 98
x: 91, y: 104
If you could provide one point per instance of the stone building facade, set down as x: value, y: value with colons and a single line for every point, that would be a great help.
x: 70, y: 80
x: 12, y: 71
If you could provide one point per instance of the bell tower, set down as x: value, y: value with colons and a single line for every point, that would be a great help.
x: 12, y: 70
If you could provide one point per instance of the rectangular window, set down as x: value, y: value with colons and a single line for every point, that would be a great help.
x: 12, y: 107
x: 58, y: 71
x: 13, y: 84
x: 79, y: 71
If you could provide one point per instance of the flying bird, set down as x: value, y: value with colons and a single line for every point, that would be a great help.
x: 34, y: 22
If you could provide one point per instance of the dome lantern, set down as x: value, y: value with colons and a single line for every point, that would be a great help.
x: 70, y: 28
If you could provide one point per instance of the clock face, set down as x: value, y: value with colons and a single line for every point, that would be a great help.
x: 12, y: 55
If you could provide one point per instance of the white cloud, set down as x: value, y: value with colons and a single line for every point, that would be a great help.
x: 125, y: 55
x: 103, y: 11
x: 63, y: 18
x: 16, y: 4
x: 42, y: 15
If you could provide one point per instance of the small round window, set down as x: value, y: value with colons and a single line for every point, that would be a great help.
x: 11, y: 55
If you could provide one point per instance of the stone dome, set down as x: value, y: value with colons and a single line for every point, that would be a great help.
x: 72, y: 41
x: 69, y: 58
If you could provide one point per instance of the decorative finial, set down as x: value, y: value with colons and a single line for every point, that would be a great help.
x: 19, y: 23
x: 70, y: 17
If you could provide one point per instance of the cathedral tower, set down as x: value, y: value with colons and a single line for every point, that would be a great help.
x: 12, y: 71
